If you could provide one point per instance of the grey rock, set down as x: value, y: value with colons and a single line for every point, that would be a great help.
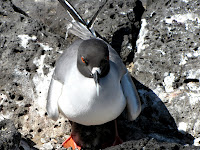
x: 26, y: 45
x: 167, y: 61
x: 9, y: 136
x: 148, y: 144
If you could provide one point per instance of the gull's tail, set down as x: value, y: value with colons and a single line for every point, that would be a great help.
x: 78, y: 26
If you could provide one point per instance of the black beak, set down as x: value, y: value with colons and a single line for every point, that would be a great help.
x: 96, y: 77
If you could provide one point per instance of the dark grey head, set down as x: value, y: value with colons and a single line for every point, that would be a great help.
x: 93, y: 59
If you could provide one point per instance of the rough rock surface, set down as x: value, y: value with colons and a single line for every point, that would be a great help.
x: 9, y: 136
x: 168, y: 61
x: 165, y: 70
x: 149, y: 144
x: 28, y: 54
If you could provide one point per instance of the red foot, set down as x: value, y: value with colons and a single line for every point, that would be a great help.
x: 117, y: 141
x: 70, y: 143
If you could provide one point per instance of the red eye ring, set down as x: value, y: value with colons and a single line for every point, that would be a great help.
x: 83, y: 60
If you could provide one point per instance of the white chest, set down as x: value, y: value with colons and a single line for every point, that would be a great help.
x: 79, y: 101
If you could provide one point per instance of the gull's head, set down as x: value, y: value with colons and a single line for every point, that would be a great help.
x: 93, y: 60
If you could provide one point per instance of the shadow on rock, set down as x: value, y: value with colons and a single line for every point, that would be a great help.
x: 27, y: 144
x: 155, y: 121
x: 9, y: 136
x: 124, y: 39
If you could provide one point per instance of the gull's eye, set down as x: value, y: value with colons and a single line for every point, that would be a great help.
x: 85, y: 61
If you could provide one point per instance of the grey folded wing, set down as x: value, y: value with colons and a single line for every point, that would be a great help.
x: 131, y: 94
